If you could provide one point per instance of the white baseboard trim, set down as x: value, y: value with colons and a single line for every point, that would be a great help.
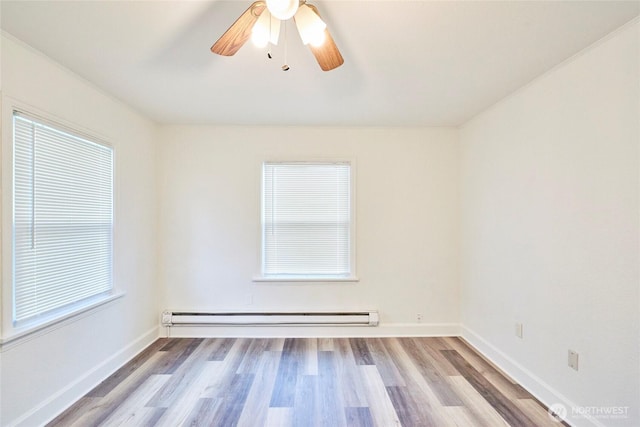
x: 532, y: 383
x: 50, y: 408
x: 382, y: 330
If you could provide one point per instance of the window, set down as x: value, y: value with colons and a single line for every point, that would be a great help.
x: 62, y: 220
x: 307, y: 221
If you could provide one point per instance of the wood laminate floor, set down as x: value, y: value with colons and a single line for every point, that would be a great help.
x: 384, y: 382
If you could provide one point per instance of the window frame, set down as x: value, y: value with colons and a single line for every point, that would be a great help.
x: 14, y: 332
x: 353, y: 277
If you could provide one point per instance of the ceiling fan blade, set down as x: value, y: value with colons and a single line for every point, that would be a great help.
x: 327, y: 55
x: 238, y: 33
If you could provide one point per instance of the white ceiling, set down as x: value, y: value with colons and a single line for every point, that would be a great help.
x: 407, y: 63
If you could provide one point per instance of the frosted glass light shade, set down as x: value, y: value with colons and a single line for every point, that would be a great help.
x: 265, y: 30
x: 310, y: 26
x: 282, y: 9
x: 317, y: 40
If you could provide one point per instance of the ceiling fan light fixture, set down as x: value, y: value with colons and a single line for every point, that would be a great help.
x: 318, y: 40
x: 282, y: 9
x: 265, y: 30
x: 312, y: 29
x: 310, y: 26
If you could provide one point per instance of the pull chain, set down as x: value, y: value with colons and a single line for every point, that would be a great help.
x: 285, y: 67
x: 270, y: 34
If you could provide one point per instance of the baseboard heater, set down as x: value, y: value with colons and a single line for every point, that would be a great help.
x: 181, y: 318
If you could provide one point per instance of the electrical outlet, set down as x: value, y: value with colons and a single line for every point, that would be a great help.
x: 573, y: 360
x: 419, y: 317
x: 519, y: 330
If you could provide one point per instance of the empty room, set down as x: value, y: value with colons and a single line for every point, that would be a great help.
x: 334, y: 213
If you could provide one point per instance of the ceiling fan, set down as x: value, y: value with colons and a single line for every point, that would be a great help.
x: 261, y: 22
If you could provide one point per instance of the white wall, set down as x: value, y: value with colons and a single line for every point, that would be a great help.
x: 42, y: 375
x: 407, y: 204
x: 550, y: 188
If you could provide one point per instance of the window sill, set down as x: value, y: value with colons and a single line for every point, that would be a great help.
x: 304, y: 279
x: 32, y: 330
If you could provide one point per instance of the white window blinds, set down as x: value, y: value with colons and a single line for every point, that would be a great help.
x: 62, y: 219
x: 306, y: 220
